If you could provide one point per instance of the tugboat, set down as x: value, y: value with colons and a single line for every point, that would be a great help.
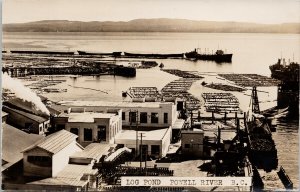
x: 219, y: 56
x: 288, y: 89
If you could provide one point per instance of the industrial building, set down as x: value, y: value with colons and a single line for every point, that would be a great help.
x: 157, y: 121
x: 155, y: 143
x: 192, y: 142
x: 58, y: 162
x: 145, y: 114
x: 90, y: 126
x: 27, y: 121
x: 50, y: 155
x: 11, y: 151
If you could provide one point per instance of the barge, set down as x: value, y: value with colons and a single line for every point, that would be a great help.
x: 151, y: 55
x: 219, y: 56
x: 43, y: 52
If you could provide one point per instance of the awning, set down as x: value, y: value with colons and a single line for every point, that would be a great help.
x: 117, y: 153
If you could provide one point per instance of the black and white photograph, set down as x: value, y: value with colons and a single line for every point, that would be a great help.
x: 150, y: 95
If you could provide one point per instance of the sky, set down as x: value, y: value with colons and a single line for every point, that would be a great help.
x: 258, y: 11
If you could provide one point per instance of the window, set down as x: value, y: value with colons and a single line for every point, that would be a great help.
x: 143, y: 117
x: 132, y: 117
x: 43, y: 161
x: 166, y: 118
x: 186, y: 145
x: 101, y: 133
x: 88, y: 134
x: 154, y: 117
x: 155, y: 149
x: 74, y: 131
x: 123, y: 116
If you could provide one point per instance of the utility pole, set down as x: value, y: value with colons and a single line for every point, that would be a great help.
x: 141, y: 152
x: 137, y: 135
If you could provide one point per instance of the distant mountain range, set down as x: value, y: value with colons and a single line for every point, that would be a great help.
x: 151, y: 25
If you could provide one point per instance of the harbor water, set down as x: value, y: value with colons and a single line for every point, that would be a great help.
x: 252, y: 53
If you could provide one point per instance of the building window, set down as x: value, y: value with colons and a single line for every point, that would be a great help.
x: 154, y: 117
x: 155, y: 149
x: 166, y: 118
x: 132, y: 117
x: 143, y: 117
x: 186, y: 145
x: 101, y: 133
x: 74, y: 131
x: 123, y: 116
x: 43, y: 161
x: 88, y: 134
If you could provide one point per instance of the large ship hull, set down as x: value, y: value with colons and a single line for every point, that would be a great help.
x: 288, y: 89
x: 140, y: 55
x: 115, y: 54
x: 209, y: 57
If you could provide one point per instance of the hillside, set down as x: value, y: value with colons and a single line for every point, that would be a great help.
x: 151, y: 25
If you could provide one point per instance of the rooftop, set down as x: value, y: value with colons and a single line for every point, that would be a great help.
x: 70, y: 175
x: 93, y: 151
x: 54, y: 142
x: 156, y: 135
x: 111, y: 104
x: 33, y: 117
x: 11, y: 151
x: 87, y: 117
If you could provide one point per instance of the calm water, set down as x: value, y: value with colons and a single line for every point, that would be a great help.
x: 252, y: 53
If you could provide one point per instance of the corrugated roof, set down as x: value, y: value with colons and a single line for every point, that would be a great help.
x: 33, y: 117
x: 111, y: 104
x: 74, y: 171
x: 13, y: 142
x: 55, y: 142
x: 60, y: 181
x: 93, y: 151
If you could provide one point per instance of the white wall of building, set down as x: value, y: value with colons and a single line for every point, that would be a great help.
x: 61, y: 159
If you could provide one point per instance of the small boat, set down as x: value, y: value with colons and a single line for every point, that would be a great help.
x: 115, y: 54
x: 219, y: 56
x: 161, y: 65
x: 151, y: 55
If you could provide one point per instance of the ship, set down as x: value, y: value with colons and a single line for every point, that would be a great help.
x: 151, y: 55
x: 114, y: 54
x: 43, y: 52
x: 288, y: 88
x: 219, y: 56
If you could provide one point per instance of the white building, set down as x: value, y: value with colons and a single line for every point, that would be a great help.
x: 90, y: 126
x: 145, y: 114
x: 50, y: 155
x: 154, y: 143
x: 156, y: 120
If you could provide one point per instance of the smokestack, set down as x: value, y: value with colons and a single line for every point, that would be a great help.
x: 24, y: 93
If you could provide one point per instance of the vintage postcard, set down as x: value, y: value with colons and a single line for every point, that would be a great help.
x: 148, y: 95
